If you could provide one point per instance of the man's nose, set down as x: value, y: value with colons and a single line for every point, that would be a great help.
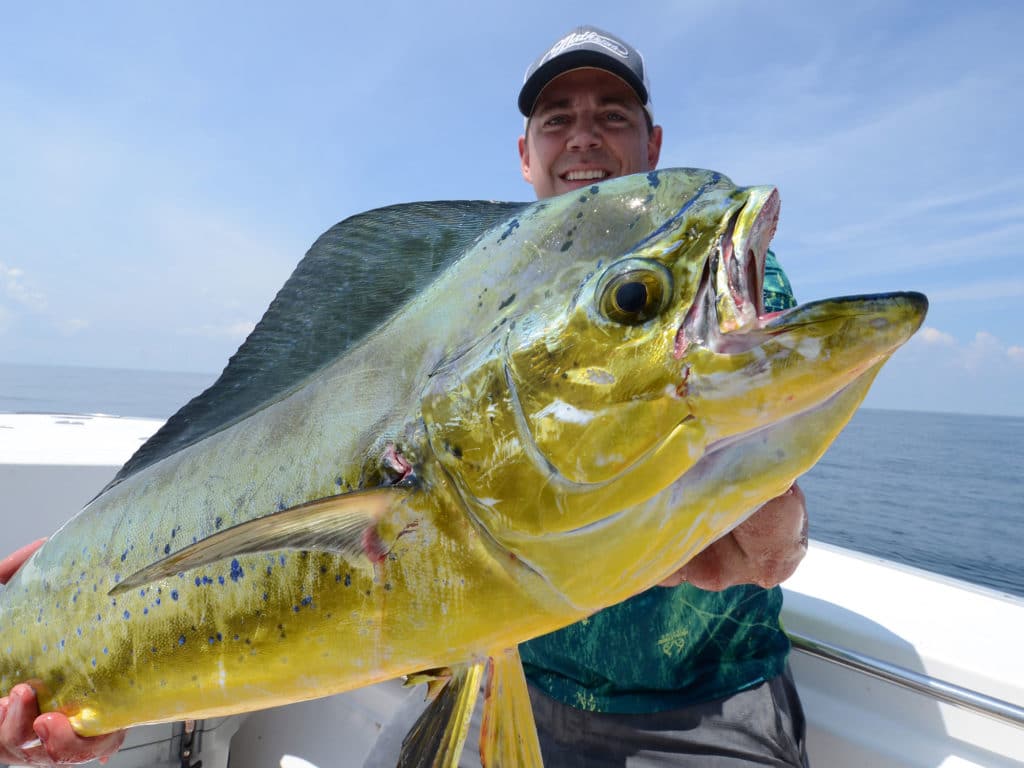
x: 585, y: 135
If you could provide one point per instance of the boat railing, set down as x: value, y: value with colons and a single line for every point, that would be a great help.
x: 956, y: 695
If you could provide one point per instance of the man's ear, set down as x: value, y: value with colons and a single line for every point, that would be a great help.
x: 654, y: 147
x: 524, y: 159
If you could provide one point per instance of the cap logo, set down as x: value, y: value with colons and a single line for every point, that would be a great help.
x: 574, y: 39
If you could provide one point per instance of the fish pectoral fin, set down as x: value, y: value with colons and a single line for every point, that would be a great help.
x: 343, y: 524
x: 508, y: 736
x: 436, y: 738
x: 435, y: 680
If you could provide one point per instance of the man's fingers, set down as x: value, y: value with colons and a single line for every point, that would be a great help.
x: 63, y: 745
x: 10, y: 564
x: 18, y: 710
x: 28, y: 738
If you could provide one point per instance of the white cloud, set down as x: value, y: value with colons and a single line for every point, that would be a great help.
x: 930, y: 335
x: 14, y: 287
x: 984, y: 353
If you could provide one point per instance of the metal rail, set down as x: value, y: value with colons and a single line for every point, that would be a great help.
x: 964, y: 698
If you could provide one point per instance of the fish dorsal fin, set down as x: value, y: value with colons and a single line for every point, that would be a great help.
x: 508, y: 736
x: 355, y: 276
x: 343, y: 524
x: 438, y: 735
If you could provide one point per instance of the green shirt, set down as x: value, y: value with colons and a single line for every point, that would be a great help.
x: 668, y: 647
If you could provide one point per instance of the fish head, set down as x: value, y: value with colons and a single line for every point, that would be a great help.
x: 638, y: 345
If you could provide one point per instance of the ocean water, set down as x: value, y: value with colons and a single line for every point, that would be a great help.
x: 939, y: 491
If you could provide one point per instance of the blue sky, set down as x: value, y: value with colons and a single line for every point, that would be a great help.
x: 165, y: 166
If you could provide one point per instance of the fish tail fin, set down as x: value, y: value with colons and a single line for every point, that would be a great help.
x: 437, y: 737
x: 508, y: 736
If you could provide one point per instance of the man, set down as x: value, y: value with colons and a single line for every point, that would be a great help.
x: 677, y: 675
x: 693, y: 672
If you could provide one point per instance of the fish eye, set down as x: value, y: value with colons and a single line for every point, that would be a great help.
x: 635, y: 292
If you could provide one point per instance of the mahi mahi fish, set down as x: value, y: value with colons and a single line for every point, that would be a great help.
x: 458, y: 426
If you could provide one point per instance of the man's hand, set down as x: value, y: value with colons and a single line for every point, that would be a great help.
x: 764, y: 550
x: 16, y: 559
x: 28, y: 738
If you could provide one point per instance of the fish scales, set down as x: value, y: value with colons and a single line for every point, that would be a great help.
x: 458, y: 426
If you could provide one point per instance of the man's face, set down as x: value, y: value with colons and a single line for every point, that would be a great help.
x: 586, y: 126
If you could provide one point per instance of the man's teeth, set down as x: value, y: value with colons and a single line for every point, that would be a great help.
x: 584, y: 175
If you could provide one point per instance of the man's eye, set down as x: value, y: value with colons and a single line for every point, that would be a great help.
x: 556, y: 120
x: 615, y: 117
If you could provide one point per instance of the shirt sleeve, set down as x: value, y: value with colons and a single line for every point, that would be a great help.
x: 778, y: 294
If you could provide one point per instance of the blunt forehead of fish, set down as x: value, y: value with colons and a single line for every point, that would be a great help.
x: 619, y: 216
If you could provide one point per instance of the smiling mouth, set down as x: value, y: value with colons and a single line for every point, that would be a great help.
x: 595, y: 174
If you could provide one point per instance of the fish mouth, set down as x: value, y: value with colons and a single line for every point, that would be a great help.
x: 730, y: 294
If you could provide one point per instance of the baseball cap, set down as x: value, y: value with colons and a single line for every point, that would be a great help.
x: 587, y: 46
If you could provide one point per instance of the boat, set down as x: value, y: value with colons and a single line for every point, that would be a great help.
x: 895, y: 666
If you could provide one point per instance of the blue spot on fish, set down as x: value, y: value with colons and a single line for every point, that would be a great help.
x: 117, y: 578
x: 105, y: 650
x: 221, y: 580
x: 653, y: 180
x: 512, y: 226
x: 127, y: 615
x: 167, y: 549
x: 236, y: 571
x: 181, y: 640
x: 124, y: 555
x: 174, y: 594
x: 218, y: 523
